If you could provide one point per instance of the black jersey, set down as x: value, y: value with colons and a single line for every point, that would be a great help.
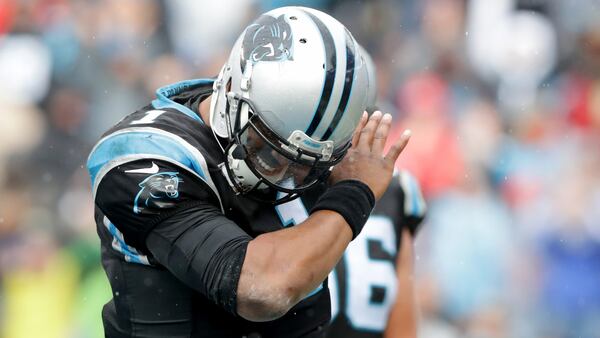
x: 173, y: 232
x: 363, y: 284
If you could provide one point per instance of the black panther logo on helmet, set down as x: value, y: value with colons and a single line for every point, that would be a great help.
x: 157, y: 191
x: 267, y: 39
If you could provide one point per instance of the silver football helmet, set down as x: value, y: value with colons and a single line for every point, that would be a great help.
x: 288, y: 99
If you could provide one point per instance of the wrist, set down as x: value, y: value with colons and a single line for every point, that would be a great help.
x: 352, y: 199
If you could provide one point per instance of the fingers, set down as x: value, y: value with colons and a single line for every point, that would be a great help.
x: 361, y: 125
x: 398, y: 146
x: 381, y: 134
x: 366, y: 135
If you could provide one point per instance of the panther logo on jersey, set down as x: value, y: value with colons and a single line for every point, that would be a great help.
x: 267, y: 39
x: 157, y: 191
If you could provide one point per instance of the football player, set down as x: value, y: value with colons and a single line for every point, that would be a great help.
x: 223, y: 205
x: 372, y: 293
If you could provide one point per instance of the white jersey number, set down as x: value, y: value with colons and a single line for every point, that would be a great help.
x: 292, y: 212
x: 364, y: 275
x: 149, y: 118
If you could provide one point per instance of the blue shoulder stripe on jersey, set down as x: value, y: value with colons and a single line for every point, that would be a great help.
x: 137, y: 143
x: 163, y: 95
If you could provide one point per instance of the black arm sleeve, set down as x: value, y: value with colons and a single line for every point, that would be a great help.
x: 172, y: 214
x: 204, y: 249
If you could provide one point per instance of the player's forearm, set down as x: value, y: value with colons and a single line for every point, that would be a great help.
x: 403, y: 317
x: 282, y: 267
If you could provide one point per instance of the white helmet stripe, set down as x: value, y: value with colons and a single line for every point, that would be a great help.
x: 350, y: 61
x: 330, y: 70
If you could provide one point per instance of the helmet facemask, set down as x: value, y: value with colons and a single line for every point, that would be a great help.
x: 283, y: 165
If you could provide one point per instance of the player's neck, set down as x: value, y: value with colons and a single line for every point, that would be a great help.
x: 204, y: 110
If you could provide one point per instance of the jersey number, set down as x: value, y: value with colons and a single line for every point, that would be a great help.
x: 149, y: 117
x: 370, y: 276
x: 292, y: 212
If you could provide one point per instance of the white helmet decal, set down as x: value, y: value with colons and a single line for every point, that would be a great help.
x: 267, y: 39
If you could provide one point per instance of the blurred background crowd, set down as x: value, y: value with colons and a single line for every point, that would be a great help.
x: 503, y: 98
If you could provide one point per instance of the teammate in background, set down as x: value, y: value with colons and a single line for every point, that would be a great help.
x: 223, y: 205
x: 372, y: 292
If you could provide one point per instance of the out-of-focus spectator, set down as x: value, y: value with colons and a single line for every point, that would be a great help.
x: 23, y: 133
x: 63, y: 148
x: 569, y: 297
x: 39, y: 288
x: 202, y: 30
x: 434, y: 156
x: 470, y: 280
x: 7, y: 12
x: 25, y: 68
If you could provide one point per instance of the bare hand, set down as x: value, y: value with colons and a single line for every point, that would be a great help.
x: 365, y: 160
